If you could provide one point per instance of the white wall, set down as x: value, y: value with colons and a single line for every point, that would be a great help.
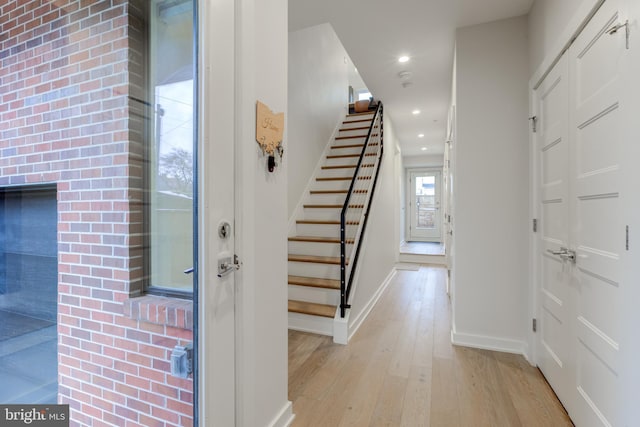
x: 428, y: 161
x: 318, y: 100
x: 491, y: 193
x: 262, y: 219
x: 380, y: 250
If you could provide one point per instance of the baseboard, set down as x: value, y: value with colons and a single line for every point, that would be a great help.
x: 357, y: 322
x: 285, y: 417
x: 489, y: 343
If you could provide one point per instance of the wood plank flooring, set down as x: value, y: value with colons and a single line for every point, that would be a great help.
x: 400, y: 369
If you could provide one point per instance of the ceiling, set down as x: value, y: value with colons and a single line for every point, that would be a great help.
x: 376, y: 33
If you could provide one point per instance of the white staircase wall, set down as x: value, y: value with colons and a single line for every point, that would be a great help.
x: 318, y: 99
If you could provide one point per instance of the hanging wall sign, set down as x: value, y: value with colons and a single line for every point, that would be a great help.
x: 269, y: 133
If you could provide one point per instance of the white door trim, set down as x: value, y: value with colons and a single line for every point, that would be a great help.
x: 409, y: 198
x: 216, y: 314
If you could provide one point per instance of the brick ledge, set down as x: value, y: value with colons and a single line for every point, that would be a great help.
x: 159, y: 310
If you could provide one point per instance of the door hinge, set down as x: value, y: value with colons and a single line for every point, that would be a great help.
x: 627, y: 239
x: 534, y: 123
x: 534, y: 325
x: 535, y: 225
x: 615, y: 28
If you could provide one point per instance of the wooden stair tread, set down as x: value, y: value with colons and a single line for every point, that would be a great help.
x: 324, y: 222
x: 314, y: 282
x: 338, y: 147
x: 351, y: 137
x: 331, y: 206
x: 364, y: 113
x: 369, y: 165
x: 343, y: 156
x: 316, y: 239
x: 336, y: 191
x: 356, y: 121
x: 328, y: 191
x: 335, y: 178
x: 312, y: 308
x: 341, y: 167
x: 316, y: 259
x: 359, y: 128
x: 341, y: 178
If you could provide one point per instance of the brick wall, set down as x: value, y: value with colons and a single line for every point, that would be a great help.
x: 70, y: 80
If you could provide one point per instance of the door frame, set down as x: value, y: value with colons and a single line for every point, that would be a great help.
x: 215, y: 388
x: 409, y: 198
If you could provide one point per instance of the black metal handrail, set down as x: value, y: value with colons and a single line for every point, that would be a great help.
x: 346, y: 282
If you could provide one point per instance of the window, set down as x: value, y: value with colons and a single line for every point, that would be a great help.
x: 363, y: 96
x: 170, y: 149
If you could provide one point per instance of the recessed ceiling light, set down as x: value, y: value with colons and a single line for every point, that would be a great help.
x: 415, y: 112
x: 424, y: 148
x: 403, y: 59
x: 421, y: 135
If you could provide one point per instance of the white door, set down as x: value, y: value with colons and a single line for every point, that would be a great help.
x: 582, y: 237
x: 556, y: 293
x: 597, y: 233
x: 424, y: 206
x: 216, y: 305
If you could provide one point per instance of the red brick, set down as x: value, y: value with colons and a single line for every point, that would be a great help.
x: 138, y: 382
x: 168, y: 416
x: 180, y: 407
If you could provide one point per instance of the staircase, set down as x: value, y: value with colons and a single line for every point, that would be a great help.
x: 318, y: 279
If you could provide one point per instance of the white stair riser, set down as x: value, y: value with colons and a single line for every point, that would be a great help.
x: 347, y: 150
x: 331, y: 185
x: 315, y: 248
x: 326, y: 199
x: 353, y: 214
x: 317, y: 295
x: 353, y: 118
x: 314, y: 324
x: 354, y: 124
x: 311, y: 269
x: 327, y: 173
x: 322, y: 214
x: 323, y: 230
x: 342, y: 161
x: 347, y: 131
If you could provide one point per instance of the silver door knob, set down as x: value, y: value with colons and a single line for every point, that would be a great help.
x: 564, y: 253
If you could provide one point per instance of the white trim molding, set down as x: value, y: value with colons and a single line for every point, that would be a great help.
x: 489, y: 343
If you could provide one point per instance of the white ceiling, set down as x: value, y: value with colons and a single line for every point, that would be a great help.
x: 376, y: 32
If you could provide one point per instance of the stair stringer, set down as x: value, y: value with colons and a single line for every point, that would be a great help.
x: 298, y: 211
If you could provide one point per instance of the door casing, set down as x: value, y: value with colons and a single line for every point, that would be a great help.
x: 437, y: 237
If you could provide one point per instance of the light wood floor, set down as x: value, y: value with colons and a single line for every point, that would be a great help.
x: 400, y: 369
